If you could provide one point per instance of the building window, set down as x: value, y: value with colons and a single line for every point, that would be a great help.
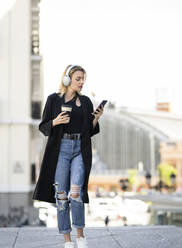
x: 36, y: 109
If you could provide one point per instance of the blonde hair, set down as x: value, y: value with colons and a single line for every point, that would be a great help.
x: 62, y: 88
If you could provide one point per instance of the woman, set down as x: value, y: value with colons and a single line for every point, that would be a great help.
x: 67, y: 158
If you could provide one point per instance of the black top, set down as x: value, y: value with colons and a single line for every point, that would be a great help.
x: 76, y: 118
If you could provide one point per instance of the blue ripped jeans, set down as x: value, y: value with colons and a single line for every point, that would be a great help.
x: 68, y: 183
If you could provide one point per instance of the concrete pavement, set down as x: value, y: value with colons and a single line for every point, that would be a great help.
x: 100, y: 237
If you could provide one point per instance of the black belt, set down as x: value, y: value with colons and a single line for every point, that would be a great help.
x: 74, y: 136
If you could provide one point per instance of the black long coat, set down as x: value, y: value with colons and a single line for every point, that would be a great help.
x: 44, y: 190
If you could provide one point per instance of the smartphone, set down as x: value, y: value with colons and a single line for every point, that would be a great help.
x: 101, y: 104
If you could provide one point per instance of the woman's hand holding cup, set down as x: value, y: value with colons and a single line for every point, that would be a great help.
x: 62, y: 118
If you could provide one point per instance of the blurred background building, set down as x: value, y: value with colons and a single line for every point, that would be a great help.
x: 137, y: 139
x: 21, y: 93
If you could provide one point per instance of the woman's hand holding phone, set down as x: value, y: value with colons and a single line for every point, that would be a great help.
x: 99, y: 110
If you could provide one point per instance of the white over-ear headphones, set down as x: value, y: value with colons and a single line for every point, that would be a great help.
x: 66, y: 78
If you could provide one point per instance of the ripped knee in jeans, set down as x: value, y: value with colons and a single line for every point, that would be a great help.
x: 75, y: 192
x: 61, y: 198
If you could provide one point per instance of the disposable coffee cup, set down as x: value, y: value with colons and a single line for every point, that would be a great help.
x: 67, y: 109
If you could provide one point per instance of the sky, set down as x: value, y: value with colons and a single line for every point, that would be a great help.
x: 5, y: 6
x: 129, y: 48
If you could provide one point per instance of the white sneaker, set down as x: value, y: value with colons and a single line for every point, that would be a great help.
x: 69, y: 245
x: 81, y: 242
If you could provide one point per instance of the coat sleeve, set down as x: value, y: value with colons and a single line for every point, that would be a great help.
x: 45, y: 125
x: 93, y: 130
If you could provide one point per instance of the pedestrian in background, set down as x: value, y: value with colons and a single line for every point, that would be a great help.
x: 106, y: 220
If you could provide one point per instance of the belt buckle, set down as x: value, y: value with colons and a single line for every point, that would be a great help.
x: 75, y: 137
x: 71, y: 136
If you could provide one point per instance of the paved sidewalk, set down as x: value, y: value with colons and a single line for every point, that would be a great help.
x: 111, y: 237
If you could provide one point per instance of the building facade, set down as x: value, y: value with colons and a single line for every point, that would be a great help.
x: 125, y: 142
x: 136, y: 139
x: 21, y: 93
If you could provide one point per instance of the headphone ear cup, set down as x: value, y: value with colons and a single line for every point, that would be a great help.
x: 66, y: 80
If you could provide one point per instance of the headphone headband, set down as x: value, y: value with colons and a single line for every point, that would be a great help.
x: 69, y: 69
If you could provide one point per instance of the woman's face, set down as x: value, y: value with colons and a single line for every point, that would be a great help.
x: 77, y: 81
